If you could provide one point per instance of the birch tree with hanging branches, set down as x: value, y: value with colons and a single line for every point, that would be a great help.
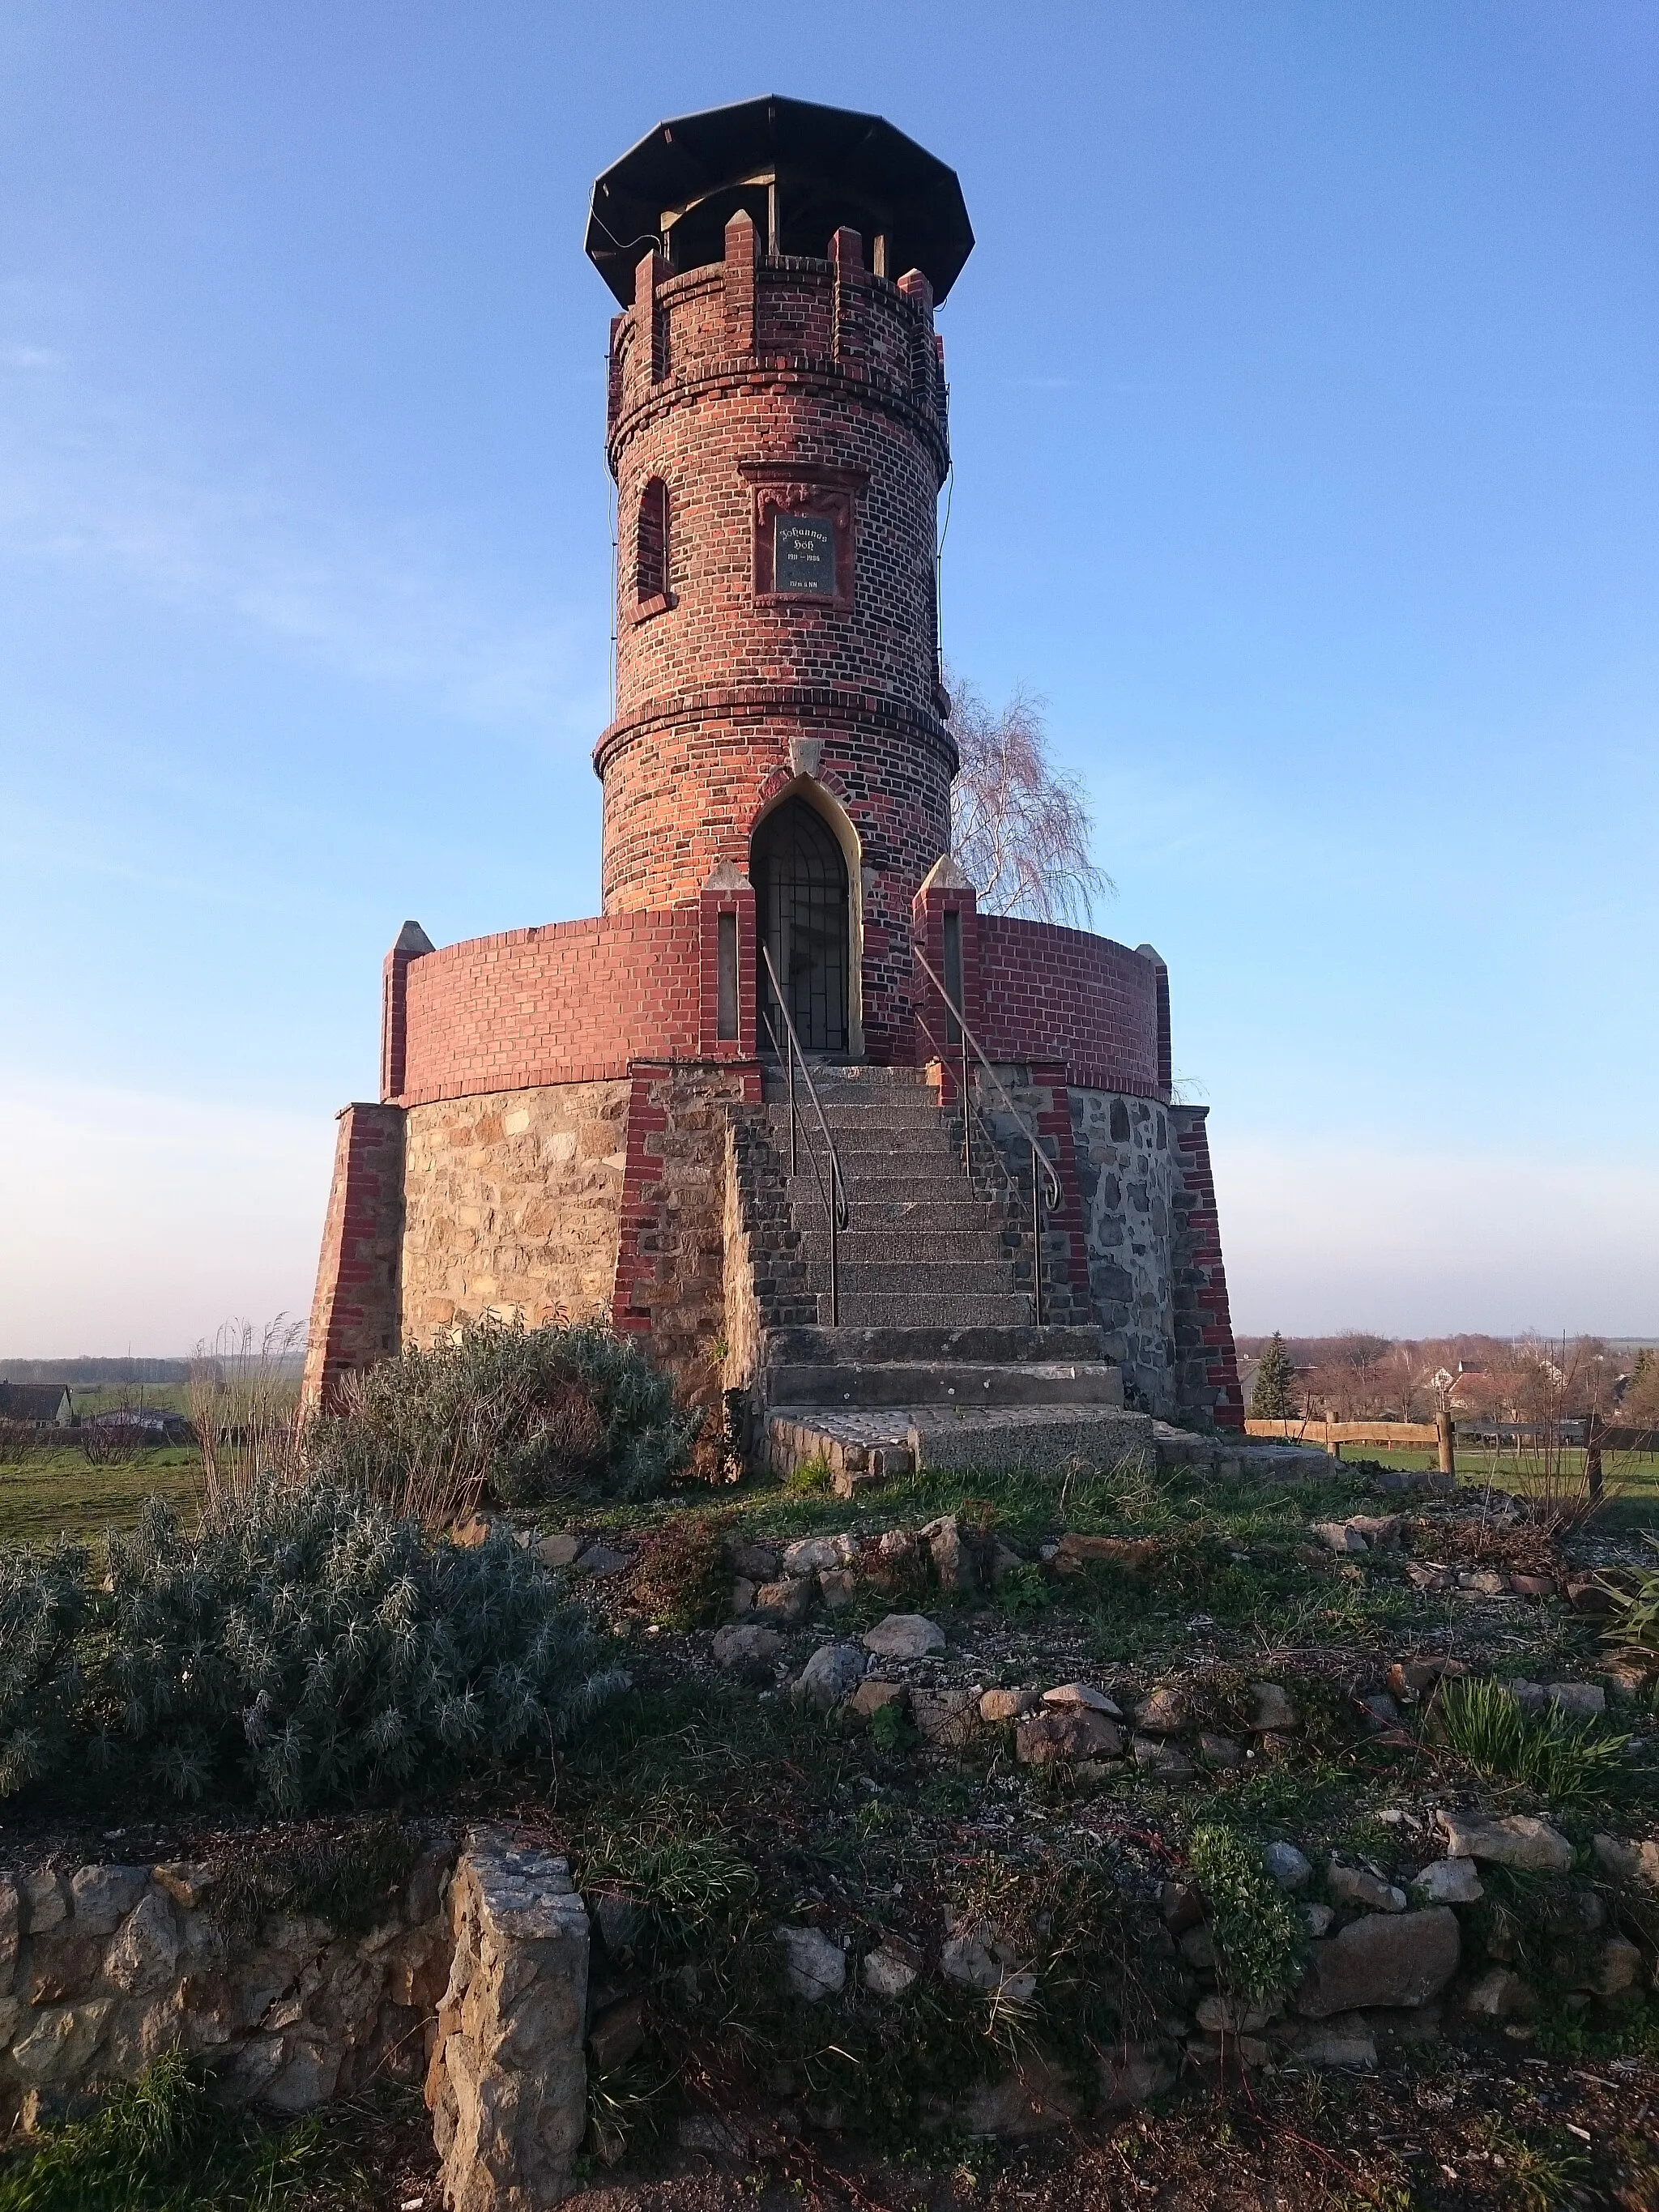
x: 1020, y: 827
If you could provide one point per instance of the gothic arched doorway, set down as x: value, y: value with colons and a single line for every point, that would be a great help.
x: 803, y: 913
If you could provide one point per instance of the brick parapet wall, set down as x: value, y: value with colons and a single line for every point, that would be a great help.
x: 1207, y: 1362
x: 575, y: 1002
x: 1068, y: 995
x: 355, y: 1317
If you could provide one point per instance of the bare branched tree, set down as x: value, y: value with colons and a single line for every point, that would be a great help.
x: 1019, y: 826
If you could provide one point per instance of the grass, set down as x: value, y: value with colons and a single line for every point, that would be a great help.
x: 60, y: 1494
x: 1569, y: 1763
x: 162, y: 2144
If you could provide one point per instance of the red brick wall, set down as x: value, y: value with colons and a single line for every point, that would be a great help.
x: 355, y: 1309
x: 1205, y: 1360
x: 571, y: 1003
x: 1067, y: 995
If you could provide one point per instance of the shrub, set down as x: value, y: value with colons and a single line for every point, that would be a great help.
x: 530, y: 1413
x: 1252, y: 1922
x: 43, y: 1605
x: 1023, y: 1590
x: 1566, y: 1761
x: 332, y: 1653
x: 684, y: 1581
x: 1635, y: 1622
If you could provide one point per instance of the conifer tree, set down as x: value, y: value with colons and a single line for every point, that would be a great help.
x: 1273, y: 1397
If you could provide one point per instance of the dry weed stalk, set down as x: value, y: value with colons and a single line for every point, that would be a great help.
x: 243, y: 1395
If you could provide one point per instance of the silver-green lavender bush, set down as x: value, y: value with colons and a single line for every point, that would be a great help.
x: 334, y: 1653
x: 43, y: 1608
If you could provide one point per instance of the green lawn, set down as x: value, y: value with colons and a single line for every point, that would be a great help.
x: 60, y: 1494
x: 1632, y: 1479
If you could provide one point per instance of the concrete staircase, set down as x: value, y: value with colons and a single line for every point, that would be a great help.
x: 937, y: 1359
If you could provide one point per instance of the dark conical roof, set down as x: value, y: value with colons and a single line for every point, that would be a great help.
x: 802, y: 171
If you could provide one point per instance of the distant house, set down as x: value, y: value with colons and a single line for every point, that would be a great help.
x: 37, y: 1401
x: 164, y: 1427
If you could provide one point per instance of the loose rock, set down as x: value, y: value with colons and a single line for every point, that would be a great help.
x: 1449, y: 1881
x: 746, y: 1643
x: 1518, y: 1840
x: 874, y: 1693
x: 1163, y: 1711
x: 1288, y: 1867
x: 1275, y: 1709
x: 788, y: 1600
x: 816, y: 1964
x: 889, y: 1969
x: 810, y: 1555
x: 1386, y: 1958
x: 831, y: 1675
x: 1042, y: 1738
x: 905, y: 1635
x: 996, y: 1705
x: 837, y: 1587
x: 1579, y: 1701
x: 1083, y: 1693
x: 1622, y: 1862
x: 559, y: 1550
x: 1219, y: 1752
x: 1499, y: 1994
x: 1359, y: 1886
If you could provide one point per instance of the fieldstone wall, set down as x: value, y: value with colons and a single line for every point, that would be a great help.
x: 512, y: 1206
x: 104, y: 1968
x: 1126, y: 1171
x: 671, y: 1284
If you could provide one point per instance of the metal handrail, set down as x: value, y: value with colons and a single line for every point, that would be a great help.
x: 1042, y: 1168
x: 834, y: 1197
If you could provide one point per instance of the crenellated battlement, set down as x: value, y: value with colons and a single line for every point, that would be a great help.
x: 829, y: 320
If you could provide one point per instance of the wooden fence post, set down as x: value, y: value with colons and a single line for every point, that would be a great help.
x: 1593, y: 1456
x: 1448, y: 1442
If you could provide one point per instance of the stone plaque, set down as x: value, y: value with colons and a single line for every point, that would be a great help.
x: 804, y: 554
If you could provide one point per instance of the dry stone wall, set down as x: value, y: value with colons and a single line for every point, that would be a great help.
x: 512, y: 1206
x: 105, y: 1968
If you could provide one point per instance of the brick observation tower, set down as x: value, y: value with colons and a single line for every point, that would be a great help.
x: 590, y: 1118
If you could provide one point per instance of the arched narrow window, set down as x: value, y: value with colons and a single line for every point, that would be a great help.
x: 650, y: 543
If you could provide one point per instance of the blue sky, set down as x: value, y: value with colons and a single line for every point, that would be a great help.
x: 1306, y: 426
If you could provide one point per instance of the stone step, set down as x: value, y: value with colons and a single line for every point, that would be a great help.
x: 895, y: 1244
x: 818, y: 1347
x: 929, y: 1211
x: 861, y: 1446
x: 960, y: 1384
x: 922, y: 1149
x: 915, y: 1310
x: 940, y: 1278
x: 881, y: 1107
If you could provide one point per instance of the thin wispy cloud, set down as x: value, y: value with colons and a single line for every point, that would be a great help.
x: 87, y: 484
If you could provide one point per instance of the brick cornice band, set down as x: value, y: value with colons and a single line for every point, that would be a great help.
x: 819, y: 705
